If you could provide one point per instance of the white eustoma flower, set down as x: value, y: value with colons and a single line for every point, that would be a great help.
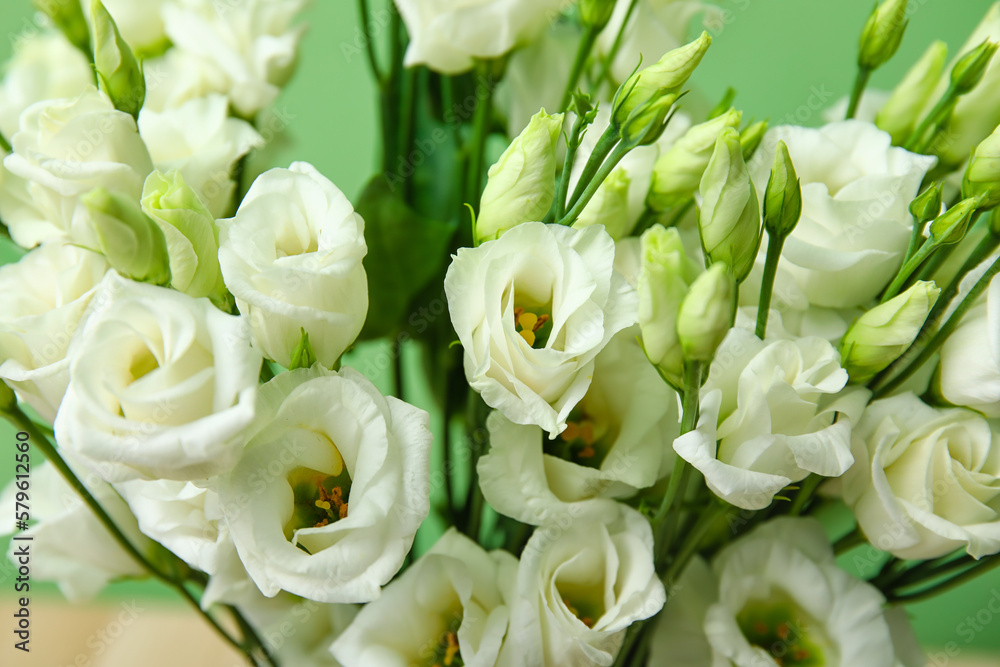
x: 776, y: 596
x: 615, y: 444
x: 44, y: 67
x: 250, y: 45
x: 177, y: 77
x: 178, y: 381
x: 580, y: 584
x: 970, y: 358
x: 654, y: 27
x: 926, y: 481
x: 298, y: 632
x: 44, y: 298
x: 855, y: 224
x: 64, y: 149
x: 292, y: 258
x: 532, y: 310
x: 331, y: 488
x: 771, y: 413
x: 69, y: 545
x: 449, y: 35
x: 200, y: 140
x: 450, y: 605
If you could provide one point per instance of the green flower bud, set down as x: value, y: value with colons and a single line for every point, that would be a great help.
x: 950, y: 226
x: 678, y: 171
x: 969, y: 69
x: 596, y: 13
x: 664, y: 278
x: 647, y: 123
x: 751, y: 137
x: 783, y: 195
x: 67, y: 16
x: 706, y: 313
x: 901, y: 112
x: 133, y: 244
x: 927, y: 204
x: 666, y: 76
x: 118, y: 71
x: 882, y: 34
x: 729, y: 222
x: 881, y: 335
x: 982, y: 175
x: 522, y: 183
x: 609, y: 206
x: 303, y: 355
x: 190, y: 233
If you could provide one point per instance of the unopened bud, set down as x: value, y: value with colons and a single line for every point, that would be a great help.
x: 751, y: 137
x: 968, y: 71
x: 783, y: 195
x: 982, y: 175
x: 303, y: 355
x: 927, y: 204
x: 950, y: 226
x: 609, y: 206
x: 909, y: 99
x: 118, y: 71
x: 706, y: 313
x: 133, y: 244
x: 882, y: 34
x: 596, y: 13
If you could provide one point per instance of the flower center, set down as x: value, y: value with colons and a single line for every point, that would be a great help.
x: 785, y: 631
x: 586, y: 612
x: 534, y: 328
x: 445, y: 651
x: 585, y: 440
x: 318, y: 499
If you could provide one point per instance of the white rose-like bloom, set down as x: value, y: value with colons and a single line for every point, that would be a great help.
x: 64, y: 149
x: 776, y: 596
x: 331, y: 488
x: 775, y: 403
x: 926, y: 481
x: 855, y: 224
x: 532, y: 310
x: 298, y: 632
x: 177, y: 385
x: 200, y: 140
x: 251, y: 45
x: 614, y: 445
x: 451, y: 604
x: 292, y: 257
x: 44, y: 67
x: 69, y: 545
x: 44, y: 298
x: 580, y: 585
x: 970, y: 358
x: 177, y: 77
x: 449, y: 35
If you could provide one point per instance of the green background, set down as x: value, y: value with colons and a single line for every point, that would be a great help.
x: 777, y: 53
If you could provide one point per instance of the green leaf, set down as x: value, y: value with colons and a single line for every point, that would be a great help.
x: 405, y: 251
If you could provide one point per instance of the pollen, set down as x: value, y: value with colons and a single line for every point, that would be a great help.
x: 528, y: 324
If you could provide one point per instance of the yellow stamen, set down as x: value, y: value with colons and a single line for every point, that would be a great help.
x: 528, y: 321
x: 528, y: 336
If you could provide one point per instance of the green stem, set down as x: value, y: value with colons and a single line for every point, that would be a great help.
x: 365, y: 17
x: 604, y: 145
x: 679, y: 215
x: 562, y: 188
x: 705, y: 522
x: 407, y: 128
x: 848, y: 542
x: 881, y: 389
x: 774, y: 246
x: 605, y: 170
x: 925, y: 251
x: 645, y: 221
x: 609, y: 59
x: 20, y: 421
x: 4, y: 144
x: 253, y: 639
x: 860, y: 82
x: 980, y: 568
x: 932, y: 119
x: 806, y: 491
x: 924, y: 572
x: 476, y: 439
x: 477, y: 148
x: 582, y: 53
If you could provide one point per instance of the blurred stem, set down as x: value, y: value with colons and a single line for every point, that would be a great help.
x: 604, y: 145
x: 925, y: 251
x: 21, y: 422
x: 860, y: 83
x: 806, y: 490
x: 648, y: 218
x: 605, y: 170
x: 609, y: 59
x: 253, y: 639
x: 365, y: 18
x: 480, y: 132
x: 848, y: 541
x: 924, y: 572
x: 774, y: 246
x: 475, y: 428
x: 582, y: 53
x: 981, y: 567
x: 917, y: 143
x: 681, y: 212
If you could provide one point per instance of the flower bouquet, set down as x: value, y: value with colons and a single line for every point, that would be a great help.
x: 654, y: 366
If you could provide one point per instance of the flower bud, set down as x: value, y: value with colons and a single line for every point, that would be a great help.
x: 982, y: 175
x: 950, y: 226
x: 647, y: 123
x: 663, y: 281
x: 969, y: 69
x: 662, y: 78
x: 303, y: 355
x: 751, y: 137
x: 190, y: 233
x: 67, y: 16
x: 596, y: 13
x: 882, y: 34
x: 706, y: 313
x: 729, y: 222
x: 678, y: 171
x: 881, y: 335
x: 118, y: 71
x: 901, y: 112
x: 133, y: 244
x: 609, y: 206
x: 783, y: 195
x: 522, y: 183
x: 927, y: 204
